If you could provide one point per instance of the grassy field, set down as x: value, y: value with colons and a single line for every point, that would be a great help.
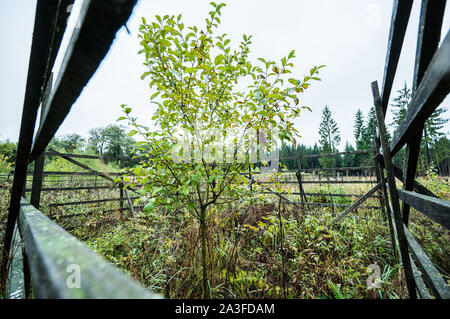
x: 258, y: 250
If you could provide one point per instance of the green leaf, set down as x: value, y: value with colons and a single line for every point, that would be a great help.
x: 133, y: 132
x: 154, y: 95
x: 149, y: 207
x: 218, y: 59
x: 293, y: 81
x: 291, y: 54
x: 121, y: 118
x: 144, y: 75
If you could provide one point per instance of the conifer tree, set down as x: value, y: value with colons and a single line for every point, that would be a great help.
x: 329, y: 136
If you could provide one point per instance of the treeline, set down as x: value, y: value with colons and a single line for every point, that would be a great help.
x: 434, y: 150
x: 113, y: 141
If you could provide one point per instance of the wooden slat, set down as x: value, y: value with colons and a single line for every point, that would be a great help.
x: 94, y: 172
x: 51, y: 250
x: 399, y: 22
x: 394, y: 199
x: 130, y: 203
x: 45, y: 36
x: 330, y: 205
x: 434, y: 87
x: 417, y: 186
x: 99, y: 22
x: 50, y: 153
x: 436, y: 209
x: 422, y: 290
x: 325, y: 155
x: 431, y: 275
x: 15, y: 288
x: 412, y: 156
x: 430, y: 26
x: 84, y: 156
x: 90, y: 173
x: 93, y: 212
x: 326, y: 194
x: 324, y: 182
x: 306, y: 170
x: 84, y: 202
x: 56, y: 189
x: 431, y: 16
x: 35, y: 196
x: 358, y: 202
x: 381, y: 176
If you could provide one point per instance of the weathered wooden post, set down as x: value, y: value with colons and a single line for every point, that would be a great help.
x: 394, y: 198
x: 303, y: 198
x: 250, y: 177
x: 299, y: 179
x: 332, y: 205
x: 121, y: 187
x: 38, y: 172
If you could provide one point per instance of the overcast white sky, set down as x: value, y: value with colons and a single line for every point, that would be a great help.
x: 349, y: 36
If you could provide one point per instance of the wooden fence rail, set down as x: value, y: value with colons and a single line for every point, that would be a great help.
x: 48, y: 249
x: 52, y: 252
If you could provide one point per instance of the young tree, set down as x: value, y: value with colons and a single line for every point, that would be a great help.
x: 68, y: 143
x: 329, y: 136
x: 198, y: 81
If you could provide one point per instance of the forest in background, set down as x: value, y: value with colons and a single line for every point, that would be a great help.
x: 113, y: 140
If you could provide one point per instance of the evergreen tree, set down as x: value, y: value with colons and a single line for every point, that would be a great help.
x: 400, y: 105
x: 349, y: 158
x: 329, y: 136
x: 370, y: 128
x: 358, y: 127
x: 432, y: 131
x: 359, y: 131
x: 432, y: 128
x: 367, y: 137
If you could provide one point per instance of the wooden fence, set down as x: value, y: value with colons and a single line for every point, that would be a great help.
x: 338, y: 179
x: 41, y: 267
x: 431, y: 84
x: 48, y: 249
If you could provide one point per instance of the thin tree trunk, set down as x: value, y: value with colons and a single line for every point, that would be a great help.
x: 203, y: 236
x: 427, y: 147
